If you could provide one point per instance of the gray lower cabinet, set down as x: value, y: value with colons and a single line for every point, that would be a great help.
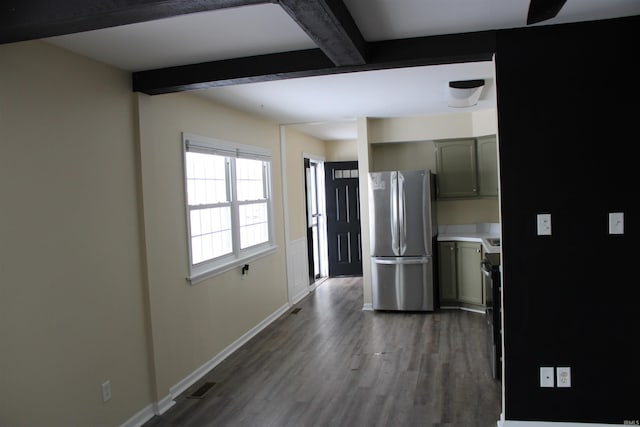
x: 447, y: 267
x: 469, y: 272
x: 460, y: 276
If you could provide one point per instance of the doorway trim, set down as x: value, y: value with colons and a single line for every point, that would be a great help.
x: 322, y: 229
x: 297, y: 274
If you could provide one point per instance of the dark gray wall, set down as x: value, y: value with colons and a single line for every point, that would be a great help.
x: 569, y: 122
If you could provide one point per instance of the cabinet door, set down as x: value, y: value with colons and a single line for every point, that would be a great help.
x: 447, y: 271
x: 469, y: 255
x: 488, y: 165
x: 456, y: 168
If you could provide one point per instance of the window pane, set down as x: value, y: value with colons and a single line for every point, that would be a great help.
x: 206, y: 179
x: 207, y: 247
x: 195, y: 223
x: 198, y: 165
x: 196, y: 250
x: 254, y: 227
x: 210, y: 233
x: 191, y: 192
x: 200, y: 196
x: 228, y: 203
x: 250, y: 179
x: 206, y: 226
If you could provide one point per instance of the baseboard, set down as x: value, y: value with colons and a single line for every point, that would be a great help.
x: 141, y: 417
x: 457, y: 307
x: 367, y: 307
x: 192, y: 378
x: 163, y: 405
x: 168, y: 401
x: 473, y: 310
x: 299, y: 296
x: 507, y: 423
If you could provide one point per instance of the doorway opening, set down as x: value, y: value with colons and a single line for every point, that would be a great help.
x: 316, y: 221
x: 343, y: 218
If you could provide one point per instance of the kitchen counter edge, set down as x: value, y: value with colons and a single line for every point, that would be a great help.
x: 472, y: 237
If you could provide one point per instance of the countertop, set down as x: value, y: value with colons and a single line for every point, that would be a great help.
x: 471, y: 233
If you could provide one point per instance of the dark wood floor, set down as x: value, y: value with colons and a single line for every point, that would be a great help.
x: 333, y: 364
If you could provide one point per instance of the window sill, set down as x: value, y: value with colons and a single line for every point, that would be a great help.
x: 200, y: 276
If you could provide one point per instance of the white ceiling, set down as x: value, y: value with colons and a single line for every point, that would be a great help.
x: 326, y: 105
x: 193, y: 38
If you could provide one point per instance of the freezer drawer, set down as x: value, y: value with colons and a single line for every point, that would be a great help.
x: 402, y: 283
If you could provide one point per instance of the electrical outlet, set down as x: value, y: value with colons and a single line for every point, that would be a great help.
x: 563, y: 376
x: 546, y: 377
x: 106, y: 391
x: 544, y: 224
x: 616, y: 223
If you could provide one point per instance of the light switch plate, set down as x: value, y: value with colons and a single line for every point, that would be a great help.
x: 546, y: 377
x: 563, y: 376
x: 544, y: 224
x: 616, y: 223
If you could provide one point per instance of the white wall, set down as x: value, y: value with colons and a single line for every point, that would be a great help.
x: 72, y: 296
x: 297, y: 145
x: 420, y: 128
x: 343, y: 150
x: 364, y: 166
x: 403, y: 156
x: 93, y: 249
x: 194, y: 324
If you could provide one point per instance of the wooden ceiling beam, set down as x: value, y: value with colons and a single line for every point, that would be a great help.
x: 541, y: 10
x: 435, y: 50
x: 22, y: 20
x: 330, y: 25
x: 342, y: 48
x: 276, y: 66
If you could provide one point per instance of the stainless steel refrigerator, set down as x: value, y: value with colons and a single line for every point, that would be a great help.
x: 403, y: 228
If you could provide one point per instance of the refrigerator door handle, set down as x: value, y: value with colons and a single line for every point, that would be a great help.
x: 402, y: 216
x: 395, y: 261
x: 395, y: 238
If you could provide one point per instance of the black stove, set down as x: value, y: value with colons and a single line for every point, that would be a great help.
x: 492, y: 290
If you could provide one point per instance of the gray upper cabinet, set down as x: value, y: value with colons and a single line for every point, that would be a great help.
x: 488, y: 165
x: 457, y: 174
x: 467, y: 167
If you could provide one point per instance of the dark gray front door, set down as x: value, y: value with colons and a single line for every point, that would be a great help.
x: 343, y: 219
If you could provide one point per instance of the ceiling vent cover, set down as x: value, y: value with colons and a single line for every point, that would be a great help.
x: 464, y: 93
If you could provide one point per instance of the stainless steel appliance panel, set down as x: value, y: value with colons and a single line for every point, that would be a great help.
x: 414, y: 211
x: 383, y: 200
x: 402, y: 283
x: 401, y: 226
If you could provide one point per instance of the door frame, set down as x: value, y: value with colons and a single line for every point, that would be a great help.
x: 322, y: 225
x: 355, y: 243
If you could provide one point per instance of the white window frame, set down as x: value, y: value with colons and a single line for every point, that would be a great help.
x: 206, y: 269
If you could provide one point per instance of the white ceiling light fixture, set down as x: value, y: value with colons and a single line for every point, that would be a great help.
x: 464, y: 93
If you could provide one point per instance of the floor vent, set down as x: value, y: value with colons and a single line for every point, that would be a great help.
x: 296, y: 310
x: 200, y: 392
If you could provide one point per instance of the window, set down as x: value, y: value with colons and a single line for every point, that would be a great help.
x: 228, y: 195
